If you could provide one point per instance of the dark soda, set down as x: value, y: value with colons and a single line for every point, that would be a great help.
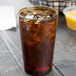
x: 38, y: 30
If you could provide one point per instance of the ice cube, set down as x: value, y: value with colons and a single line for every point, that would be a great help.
x: 38, y: 21
x: 26, y: 20
x: 29, y: 16
x: 48, y: 16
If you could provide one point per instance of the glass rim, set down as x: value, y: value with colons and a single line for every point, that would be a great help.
x: 39, y: 19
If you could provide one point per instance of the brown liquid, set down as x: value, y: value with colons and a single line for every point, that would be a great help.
x: 38, y: 45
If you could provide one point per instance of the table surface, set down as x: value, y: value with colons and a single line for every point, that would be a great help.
x: 11, y: 62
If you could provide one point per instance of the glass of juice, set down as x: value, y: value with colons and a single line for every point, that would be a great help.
x: 38, y: 30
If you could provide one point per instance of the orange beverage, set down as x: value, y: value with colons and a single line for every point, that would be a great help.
x: 71, y: 19
x: 70, y: 15
x: 38, y: 30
